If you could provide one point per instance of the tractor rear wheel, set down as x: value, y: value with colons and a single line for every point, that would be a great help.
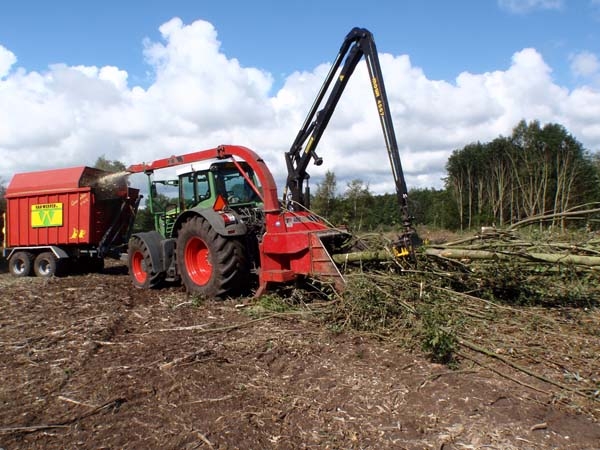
x: 20, y: 264
x: 45, y: 265
x: 211, y: 265
x: 140, y: 265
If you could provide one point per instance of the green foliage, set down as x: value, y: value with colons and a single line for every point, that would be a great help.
x: 436, y: 331
x: 362, y: 211
x: 537, y: 170
x: 384, y: 213
x: 325, y: 200
x: 197, y: 301
x: 357, y: 204
x: 144, y: 221
x: 433, y: 207
x: 274, y: 303
x: 277, y: 303
x: 372, y: 303
x: 551, y: 286
x: 365, y: 307
x: 393, y: 305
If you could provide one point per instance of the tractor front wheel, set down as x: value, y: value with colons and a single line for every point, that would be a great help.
x: 211, y: 265
x: 140, y: 265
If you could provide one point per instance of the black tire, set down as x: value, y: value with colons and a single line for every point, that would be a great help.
x: 211, y: 265
x: 45, y: 265
x: 20, y: 263
x: 140, y: 267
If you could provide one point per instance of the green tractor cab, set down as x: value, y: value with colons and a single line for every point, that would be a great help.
x: 222, y: 185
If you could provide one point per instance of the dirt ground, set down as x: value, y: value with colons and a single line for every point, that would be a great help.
x: 89, y: 362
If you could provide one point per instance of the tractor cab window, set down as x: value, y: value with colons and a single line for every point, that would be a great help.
x: 163, y: 195
x: 187, y: 192
x: 232, y: 185
x: 164, y: 204
x: 194, y: 189
x: 237, y: 188
x: 202, y: 186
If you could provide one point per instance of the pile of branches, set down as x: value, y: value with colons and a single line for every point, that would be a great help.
x: 553, y: 350
x: 541, y: 266
x: 522, y: 302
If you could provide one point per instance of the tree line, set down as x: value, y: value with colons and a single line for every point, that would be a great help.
x: 362, y: 211
x: 536, y: 170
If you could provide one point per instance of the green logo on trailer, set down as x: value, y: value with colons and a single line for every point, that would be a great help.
x: 46, y: 215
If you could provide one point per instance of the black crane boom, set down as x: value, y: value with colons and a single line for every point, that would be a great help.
x: 358, y: 43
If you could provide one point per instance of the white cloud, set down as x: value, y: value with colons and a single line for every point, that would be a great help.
x: 201, y: 98
x: 585, y: 64
x: 7, y: 59
x: 200, y: 84
x: 526, y: 6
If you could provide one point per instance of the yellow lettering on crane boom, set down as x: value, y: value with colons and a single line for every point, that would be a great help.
x: 375, y: 87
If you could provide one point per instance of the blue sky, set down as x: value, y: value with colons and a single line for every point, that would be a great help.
x: 84, y: 79
x: 443, y: 37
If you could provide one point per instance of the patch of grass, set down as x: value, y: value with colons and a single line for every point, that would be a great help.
x: 273, y: 303
x: 366, y: 306
x: 197, y: 301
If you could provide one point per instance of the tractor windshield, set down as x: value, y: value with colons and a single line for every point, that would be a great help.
x: 200, y: 189
x: 233, y: 185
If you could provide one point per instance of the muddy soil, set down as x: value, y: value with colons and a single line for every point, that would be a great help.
x: 89, y: 362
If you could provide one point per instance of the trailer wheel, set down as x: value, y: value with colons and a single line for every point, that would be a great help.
x: 45, y: 265
x: 20, y: 264
x: 210, y: 264
x: 140, y: 265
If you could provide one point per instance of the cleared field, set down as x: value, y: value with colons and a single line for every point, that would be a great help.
x: 89, y: 362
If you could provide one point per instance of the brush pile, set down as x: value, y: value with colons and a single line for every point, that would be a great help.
x: 524, y: 308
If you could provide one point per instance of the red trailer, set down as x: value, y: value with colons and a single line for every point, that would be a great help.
x: 58, y: 216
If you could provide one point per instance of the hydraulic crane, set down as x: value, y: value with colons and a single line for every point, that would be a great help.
x: 358, y: 43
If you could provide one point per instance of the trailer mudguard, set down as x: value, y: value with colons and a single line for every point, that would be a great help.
x: 58, y: 252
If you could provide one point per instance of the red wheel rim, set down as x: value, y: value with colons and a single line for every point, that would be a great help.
x: 138, y: 267
x: 197, y: 262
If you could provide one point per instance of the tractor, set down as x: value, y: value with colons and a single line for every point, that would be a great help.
x: 228, y: 225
